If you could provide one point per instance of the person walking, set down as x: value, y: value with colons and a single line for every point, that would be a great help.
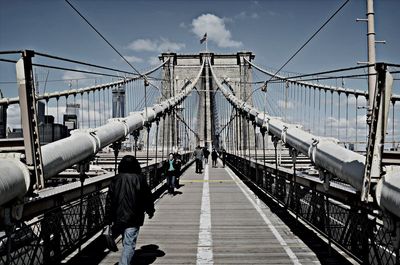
x: 214, y: 156
x: 198, y: 155
x: 129, y: 197
x: 206, y: 155
x: 171, y: 170
x: 223, y: 153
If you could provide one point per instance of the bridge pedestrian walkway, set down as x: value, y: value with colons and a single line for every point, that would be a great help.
x: 213, y: 218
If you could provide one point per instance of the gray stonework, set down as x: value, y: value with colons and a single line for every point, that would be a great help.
x: 233, y: 67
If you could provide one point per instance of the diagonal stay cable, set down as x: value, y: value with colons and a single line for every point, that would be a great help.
x: 104, y: 38
x: 309, y: 39
x: 82, y: 63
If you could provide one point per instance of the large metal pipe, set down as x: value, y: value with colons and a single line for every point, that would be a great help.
x: 388, y: 190
x: 81, y: 145
x: 14, y: 179
x: 325, y: 153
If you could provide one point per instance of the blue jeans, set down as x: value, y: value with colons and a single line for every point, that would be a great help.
x: 129, y: 243
x: 171, y: 182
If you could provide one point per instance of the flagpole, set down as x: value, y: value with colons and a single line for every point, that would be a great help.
x: 206, y: 44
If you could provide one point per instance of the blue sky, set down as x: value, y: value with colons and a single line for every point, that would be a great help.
x: 141, y: 30
x: 273, y: 30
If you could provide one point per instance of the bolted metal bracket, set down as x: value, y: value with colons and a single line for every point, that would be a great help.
x: 325, y: 176
x: 29, y: 120
x: 116, y: 146
x: 82, y: 168
x: 377, y: 120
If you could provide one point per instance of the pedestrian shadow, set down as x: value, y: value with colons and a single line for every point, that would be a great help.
x: 147, y: 254
x: 180, y: 186
x: 176, y: 193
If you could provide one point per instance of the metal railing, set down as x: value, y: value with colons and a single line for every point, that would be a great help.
x: 353, y: 227
x: 56, y: 232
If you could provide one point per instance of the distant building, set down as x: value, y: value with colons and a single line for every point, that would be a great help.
x: 70, y: 120
x: 118, y: 102
x: 50, y: 131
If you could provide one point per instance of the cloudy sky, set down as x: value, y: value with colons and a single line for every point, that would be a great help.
x: 141, y: 30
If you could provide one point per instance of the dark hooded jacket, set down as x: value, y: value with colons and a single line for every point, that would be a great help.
x: 129, y: 197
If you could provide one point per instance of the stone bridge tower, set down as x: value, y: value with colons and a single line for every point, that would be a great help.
x: 183, y: 67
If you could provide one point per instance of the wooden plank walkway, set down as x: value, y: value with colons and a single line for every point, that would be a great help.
x: 212, y: 219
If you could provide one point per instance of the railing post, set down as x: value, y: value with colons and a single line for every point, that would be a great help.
x: 264, y: 166
x: 116, y: 146
x: 293, y: 194
x: 255, y: 155
x: 156, y: 169
x: 149, y: 178
x: 136, y: 137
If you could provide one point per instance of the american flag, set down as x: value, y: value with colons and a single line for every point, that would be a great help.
x: 204, y: 38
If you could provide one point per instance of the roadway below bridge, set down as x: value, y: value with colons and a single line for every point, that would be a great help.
x: 214, y: 218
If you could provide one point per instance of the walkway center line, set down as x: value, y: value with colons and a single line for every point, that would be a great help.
x: 249, y: 194
x: 204, y: 245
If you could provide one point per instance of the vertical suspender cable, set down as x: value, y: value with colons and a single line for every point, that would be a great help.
x: 331, y: 118
x: 325, y: 120
x: 338, y: 116
x: 88, y: 109
x: 393, y: 131
x: 356, y: 145
x: 347, y: 117
x: 94, y: 109
x: 81, y: 109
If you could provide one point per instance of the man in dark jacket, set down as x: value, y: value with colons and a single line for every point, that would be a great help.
x: 198, y: 155
x: 129, y: 197
x: 214, y: 156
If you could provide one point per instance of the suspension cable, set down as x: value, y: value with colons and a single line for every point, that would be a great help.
x: 309, y: 39
x: 101, y: 35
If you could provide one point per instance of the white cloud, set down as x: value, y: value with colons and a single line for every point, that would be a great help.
x: 183, y: 25
x: 167, y: 45
x: 160, y: 45
x: 242, y: 15
x: 143, y: 45
x: 81, y: 79
x: 68, y: 75
x: 133, y: 59
x: 246, y: 15
x: 14, y: 116
x: 216, y: 30
x: 227, y: 19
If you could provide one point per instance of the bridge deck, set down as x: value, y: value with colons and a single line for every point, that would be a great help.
x: 233, y: 226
